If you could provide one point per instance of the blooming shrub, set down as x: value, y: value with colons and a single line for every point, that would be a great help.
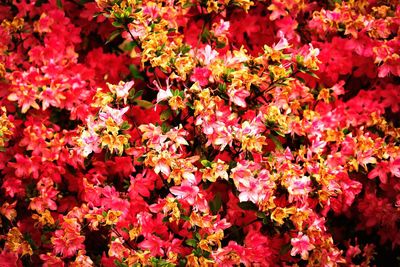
x: 199, y: 133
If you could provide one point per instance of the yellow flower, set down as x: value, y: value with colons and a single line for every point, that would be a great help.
x: 15, y: 25
x: 16, y: 243
x: 44, y: 218
x: 216, y: 170
x: 101, y: 99
x: 279, y: 214
x: 245, y: 4
x: 215, y: 238
x: 196, y: 219
x: 334, y: 136
x: 192, y: 261
x: 134, y: 232
x: 212, y: 6
x: 278, y: 72
x: 2, y: 70
x: 115, y: 143
x: 203, y: 244
x: 299, y: 218
x: 112, y: 217
x: 184, y: 65
x: 172, y: 209
x: 253, y: 143
x: 176, y: 102
x: 206, y: 262
x: 267, y: 204
x: 6, y: 127
x: 324, y: 95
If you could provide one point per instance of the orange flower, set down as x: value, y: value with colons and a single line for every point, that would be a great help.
x: 16, y: 243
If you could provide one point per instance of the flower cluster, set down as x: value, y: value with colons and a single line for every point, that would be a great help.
x: 199, y: 133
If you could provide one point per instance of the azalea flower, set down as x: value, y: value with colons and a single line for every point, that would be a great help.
x: 115, y: 114
x: 186, y: 191
x: 301, y: 245
x: 163, y: 94
x: 121, y: 90
x: 68, y: 240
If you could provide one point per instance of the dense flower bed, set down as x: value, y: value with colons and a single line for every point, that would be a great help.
x: 199, y: 133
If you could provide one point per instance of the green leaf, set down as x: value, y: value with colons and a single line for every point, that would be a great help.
x: 135, y: 72
x: 285, y: 249
x: 143, y: 103
x: 141, y: 159
x: 129, y: 46
x: 59, y: 4
x: 95, y: 15
x: 215, y: 204
x: 191, y: 242
x: 113, y: 35
x: 309, y: 72
x: 117, y: 24
x: 312, y: 74
x: 184, y: 49
x: 185, y: 218
x: 279, y: 133
x: 156, y: 262
x: 206, y: 163
x: 222, y: 87
x: 301, y: 80
x: 165, y: 127
x: 190, y: 105
x: 182, y: 262
x: 137, y: 94
x: 247, y: 205
x: 277, y: 143
x: 188, y: 4
x: 261, y: 214
x: 220, y: 44
x: 165, y: 115
x: 125, y: 126
x: 198, y: 236
x: 120, y: 263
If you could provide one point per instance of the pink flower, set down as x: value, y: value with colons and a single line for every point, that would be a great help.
x: 301, y: 245
x: 117, y: 248
x: 122, y: 89
x: 9, y: 259
x: 395, y: 167
x: 162, y: 166
x: 115, y: 114
x: 282, y: 44
x: 299, y: 187
x: 381, y: 170
x: 201, y: 75
x: 25, y: 166
x: 185, y: 191
x: 238, y: 96
x: 68, y: 240
x: 154, y: 244
x: 208, y: 55
x: 51, y: 260
x: 221, y: 27
x: 163, y: 94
